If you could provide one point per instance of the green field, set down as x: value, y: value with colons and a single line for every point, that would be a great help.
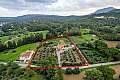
x: 83, y: 38
x: 84, y: 31
x: 59, y: 41
x: 13, y: 54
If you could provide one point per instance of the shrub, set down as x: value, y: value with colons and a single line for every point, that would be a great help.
x: 76, y: 71
x: 68, y: 71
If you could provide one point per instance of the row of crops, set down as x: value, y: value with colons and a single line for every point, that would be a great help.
x: 71, y: 58
x: 44, y: 52
x: 94, y: 57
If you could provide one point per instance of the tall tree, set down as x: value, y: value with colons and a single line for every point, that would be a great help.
x: 2, y: 47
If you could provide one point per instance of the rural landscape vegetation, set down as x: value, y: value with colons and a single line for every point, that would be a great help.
x: 52, y: 47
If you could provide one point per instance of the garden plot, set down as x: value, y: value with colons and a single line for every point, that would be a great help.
x: 49, y: 48
x: 44, y: 52
x: 71, y: 58
x: 62, y: 49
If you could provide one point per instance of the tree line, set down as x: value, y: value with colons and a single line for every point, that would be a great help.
x: 12, y: 44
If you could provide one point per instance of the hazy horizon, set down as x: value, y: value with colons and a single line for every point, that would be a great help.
x: 12, y: 8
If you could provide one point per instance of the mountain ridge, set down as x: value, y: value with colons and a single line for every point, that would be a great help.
x: 104, y: 10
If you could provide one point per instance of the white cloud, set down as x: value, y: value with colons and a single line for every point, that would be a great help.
x: 54, y: 7
x: 80, y: 7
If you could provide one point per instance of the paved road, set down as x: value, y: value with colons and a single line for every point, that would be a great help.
x: 96, y: 65
x: 72, y: 67
x: 81, y: 67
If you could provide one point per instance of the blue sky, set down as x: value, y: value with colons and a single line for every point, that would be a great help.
x: 54, y: 7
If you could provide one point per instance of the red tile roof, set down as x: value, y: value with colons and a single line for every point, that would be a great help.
x: 61, y: 46
x: 26, y: 54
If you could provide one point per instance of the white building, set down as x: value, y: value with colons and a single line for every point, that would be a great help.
x: 26, y: 56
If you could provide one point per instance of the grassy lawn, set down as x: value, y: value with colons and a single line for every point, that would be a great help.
x: 59, y: 41
x: 83, y: 31
x: 83, y: 38
x: 89, y: 37
x: 10, y: 55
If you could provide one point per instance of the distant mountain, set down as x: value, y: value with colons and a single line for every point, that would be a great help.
x: 109, y: 12
x: 44, y: 17
x: 116, y: 11
x: 5, y: 19
x: 31, y: 17
x: 113, y: 13
x: 104, y: 10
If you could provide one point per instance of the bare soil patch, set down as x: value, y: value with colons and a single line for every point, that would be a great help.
x: 112, y: 44
x: 118, y: 33
x: 74, y: 77
x: 116, y: 68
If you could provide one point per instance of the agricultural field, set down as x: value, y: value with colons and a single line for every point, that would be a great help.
x: 57, y: 41
x: 85, y: 31
x: 68, y: 55
x: 71, y: 58
x: 13, y: 54
x: 84, y: 38
x: 49, y: 47
x: 94, y: 57
x: 86, y: 43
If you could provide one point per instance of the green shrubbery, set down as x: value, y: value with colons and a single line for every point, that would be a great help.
x: 98, y: 52
x: 72, y: 71
x: 100, y: 73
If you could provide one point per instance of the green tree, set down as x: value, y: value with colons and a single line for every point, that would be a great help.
x: 76, y: 71
x: 100, y: 45
x: 19, y: 42
x: 68, y: 71
x: 107, y: 72
x: 9, y: 44
x: 14, y: 44
x: 94, y: 74
x: 2, y: 47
